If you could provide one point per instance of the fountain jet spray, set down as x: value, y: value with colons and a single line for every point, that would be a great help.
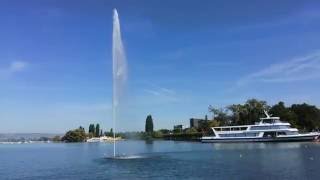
x: 119, y: 71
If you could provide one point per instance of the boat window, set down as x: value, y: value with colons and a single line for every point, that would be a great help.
x: 269, y: 134
x: 269, y: 121
x: 239, y: 135
x: 251, y: 134
x: 292, y: 133
x: 211, y: 133
x: 231, y: 129
x: 284, y: 127
x: 227, y: 135
x: 260, y: 127
x: 269, y: 127
x: 281, y: 133
x: 235, y: 129
x: 223, y: 135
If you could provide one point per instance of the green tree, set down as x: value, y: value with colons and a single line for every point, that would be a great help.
x: 213, y: 123
x: 220, y: 115
x: 77, y: 135
x: 248, y: 113
x: 149, y: 124
x: 177, y: 129
x: 97, y: 131
x: 157, y: 134
x: 56, y: 139
x: 164, y: 131
x: 91, y: 129
x: 237, y: 111
x: 191, y: 130
x: 255, y: 109
x: 111, y: 132
x: 308, y: 116
x: 285, y: 113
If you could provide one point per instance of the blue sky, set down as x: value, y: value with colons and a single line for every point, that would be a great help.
x: 55, y: 59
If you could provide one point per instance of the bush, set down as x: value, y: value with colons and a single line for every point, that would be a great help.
x: 191, y: 130
x: 77, y: 135
x: 56, y: 139
x: 157, y: 134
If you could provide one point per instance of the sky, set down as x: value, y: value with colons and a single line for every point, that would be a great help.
x: 56, y: 60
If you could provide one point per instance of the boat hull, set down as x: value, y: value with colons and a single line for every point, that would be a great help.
x: 259, y: 139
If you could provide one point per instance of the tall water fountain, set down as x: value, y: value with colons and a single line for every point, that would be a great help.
x: 119, y: 72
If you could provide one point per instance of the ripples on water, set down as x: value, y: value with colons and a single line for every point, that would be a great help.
x: 161, y: 160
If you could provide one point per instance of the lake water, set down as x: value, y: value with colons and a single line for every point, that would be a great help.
x: 163, y: 160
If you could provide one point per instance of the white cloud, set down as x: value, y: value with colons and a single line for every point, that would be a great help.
x: 153, y: 92
x: 13, y: 67
x: 17, y: 66
x: 303, y: 68
x: 160, y: 91
x: 161, y: 94
x: 168, y: 91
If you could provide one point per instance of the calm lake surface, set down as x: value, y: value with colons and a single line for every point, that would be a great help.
x: 163, y: 160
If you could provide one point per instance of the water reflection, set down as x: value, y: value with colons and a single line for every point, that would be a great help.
x: 162, y: 160
x: 249, y: 146
x: 149, y: 141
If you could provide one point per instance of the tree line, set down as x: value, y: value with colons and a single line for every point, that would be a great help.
x: 303, y: 116
x: 80, y: 135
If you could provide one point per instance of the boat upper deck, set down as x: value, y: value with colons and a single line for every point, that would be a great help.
x: 265, y: 124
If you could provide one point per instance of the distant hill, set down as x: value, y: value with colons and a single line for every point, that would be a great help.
x: 12, y: 137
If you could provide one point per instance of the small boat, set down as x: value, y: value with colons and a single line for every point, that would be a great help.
x: 93, y: 140
x: 268, y: 129
x: 103, y: 139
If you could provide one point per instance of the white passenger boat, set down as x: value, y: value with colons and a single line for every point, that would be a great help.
x: 269, y: 129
